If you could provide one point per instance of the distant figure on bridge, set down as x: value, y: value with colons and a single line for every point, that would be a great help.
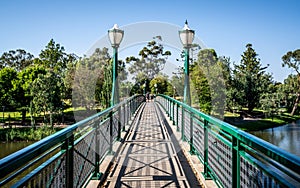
x: 147, y: 96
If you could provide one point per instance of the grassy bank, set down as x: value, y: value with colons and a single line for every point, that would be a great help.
x: 264, y: 123
x: 26, y: 133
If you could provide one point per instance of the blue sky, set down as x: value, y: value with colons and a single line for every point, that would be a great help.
x: 273, y: 27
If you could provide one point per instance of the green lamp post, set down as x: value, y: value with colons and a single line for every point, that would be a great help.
x: 115, y: 36
x: 186, y: 36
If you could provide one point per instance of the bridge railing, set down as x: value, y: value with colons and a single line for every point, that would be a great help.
x: 232, y: 157
x: 71, y: 156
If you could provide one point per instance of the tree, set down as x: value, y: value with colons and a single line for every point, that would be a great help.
x: 7, y: 77
x: 46, y: 95
x: 22, y: 88
x: 289, y: 90
x: 151, y: 62
x: 231, y: 92
x: 250, y: 79
x: 16, y: 59
x: 177, y: 81
x: 163, y: 86
x: 92, y: 80
x: 208, y: 81
x: 54, y: 58
x: 292, y: 60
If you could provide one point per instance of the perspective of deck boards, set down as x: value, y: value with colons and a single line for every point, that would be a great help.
x: 150, y: 157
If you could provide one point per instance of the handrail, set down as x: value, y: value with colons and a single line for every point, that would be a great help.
x: 238, y: 139
x: 16, y: 160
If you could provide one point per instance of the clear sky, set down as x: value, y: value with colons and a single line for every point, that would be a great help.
x: 272, y: 26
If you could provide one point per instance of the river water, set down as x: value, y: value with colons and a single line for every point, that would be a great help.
x: 286, y: 137
x: 7, y: 148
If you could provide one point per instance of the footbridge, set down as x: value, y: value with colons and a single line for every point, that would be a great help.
x: 158, y: 143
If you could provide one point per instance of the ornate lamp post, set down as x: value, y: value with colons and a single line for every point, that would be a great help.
x: 115, y: 36
x: 174, y: 92
x: 144, y: 88
x: 155, y: 85
x: 186, y: 36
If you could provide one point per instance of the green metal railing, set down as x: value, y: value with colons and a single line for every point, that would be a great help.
x: 232, y: 157
x: 71, y: 156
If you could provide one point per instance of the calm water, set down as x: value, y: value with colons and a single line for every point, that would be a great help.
x: 7, y: 148
x: 286, y: 137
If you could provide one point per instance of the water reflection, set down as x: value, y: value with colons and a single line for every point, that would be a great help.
x: 286, y: 137
x: 8, y: 148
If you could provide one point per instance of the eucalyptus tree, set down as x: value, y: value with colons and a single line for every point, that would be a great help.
x: 151, y: 60
x: 16, y: 59
x: 91, y: 79
x: 292, y: 60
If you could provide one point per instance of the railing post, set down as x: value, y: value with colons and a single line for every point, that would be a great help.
x: 97, y: 173
x: 170, y: 109
x: 119, y: 123
x: 111, y: 124
x: 192, y: 150
x: 173, y: 109
x: 235, y: 162
x: 177, y: 109
x: 168, y: 112
x: 124, y: 116
x: 68, y: 146
x: 206, y: 169
x: 182, y: 124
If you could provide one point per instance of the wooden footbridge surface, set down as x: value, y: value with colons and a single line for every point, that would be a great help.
x: 151, y: 156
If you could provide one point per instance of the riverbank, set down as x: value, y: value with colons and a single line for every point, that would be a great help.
x: 256, y: 124
x: 26, y: 133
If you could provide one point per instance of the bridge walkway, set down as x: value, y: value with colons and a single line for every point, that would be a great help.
x: 151, y: 156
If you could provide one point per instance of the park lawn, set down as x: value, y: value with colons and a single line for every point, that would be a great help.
x: 266, y: 123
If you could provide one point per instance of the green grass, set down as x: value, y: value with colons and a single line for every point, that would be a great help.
x: 277, y: 120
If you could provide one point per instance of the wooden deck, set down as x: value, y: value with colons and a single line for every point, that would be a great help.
x: 151, y: 156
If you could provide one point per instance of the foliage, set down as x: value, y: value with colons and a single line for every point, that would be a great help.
x: 177, y: 81
x: 292, y: 60
x: 26, y: 133
x: 7, y: 76
x: 207, y: 79
x: 250, y: 79
x: 151, y: 62
x: 46, y: 94
x: 91, y: 79
x: 16, y: 59
x: 288, y: 91
x: 162, y: 85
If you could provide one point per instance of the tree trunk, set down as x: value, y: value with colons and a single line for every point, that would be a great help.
x: 51, y: 121
x: 295, y: 104
x: 23, y: 117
